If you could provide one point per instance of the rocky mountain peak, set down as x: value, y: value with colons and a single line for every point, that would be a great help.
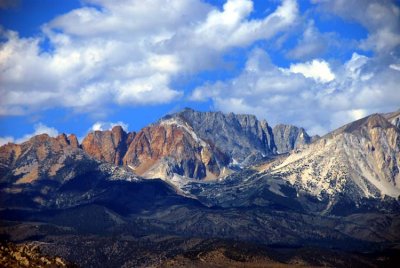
x: 39, y: 138
x: 73, y: 140
x: 359, y: 160
x: 366, y: 123
x: 288, y: 137
x: 70, y: 140
x: 172, y: 147
x: 118, y: 132
x: 243, y: 137
x: 190, y: 143
x: 377, y: 120
x: 394, y: 118
x: 40, y: 157
x: 109, y: 145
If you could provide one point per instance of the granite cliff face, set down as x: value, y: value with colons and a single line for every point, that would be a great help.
x: 199, y: 145
x: 71, y: 140
x: 240, y: 136
x: 109, y: 146
x: 289, y: 137
x: 172, y: 147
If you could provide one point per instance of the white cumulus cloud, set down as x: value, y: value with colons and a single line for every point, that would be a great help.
x: 360, y: 86
x: 125, y: 52
x: 108, y: 126
x: 319, y: 70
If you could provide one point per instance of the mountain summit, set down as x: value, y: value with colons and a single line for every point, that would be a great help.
x: 242, y: 136
x: 357, y: 161
x: 170, y: 147
x: 109, y: 145
x: 192, y: 144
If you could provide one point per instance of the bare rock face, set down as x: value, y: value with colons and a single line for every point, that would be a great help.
x: 394, y: 118
x: 289, y: 137
x: 242, y: 137
x: 42, y: 157
x: 70, y: 140
x: 189, y: 143
x: 73, y: 141
x: 9, y: 154
x: 172, y: 147
x: 358, y: 160
x: 109, y: 146
x: 47, y: 172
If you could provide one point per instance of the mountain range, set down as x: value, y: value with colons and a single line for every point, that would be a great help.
x: 193, y: 144
x: 204, y: 182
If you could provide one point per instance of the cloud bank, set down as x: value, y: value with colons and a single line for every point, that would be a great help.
x: 314, y: 94
x: 126, y: 53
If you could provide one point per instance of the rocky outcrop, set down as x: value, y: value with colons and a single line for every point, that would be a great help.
x: 359, y: 160
x: 288, y: 137
x: 200, y: 145
x: 73, y: 140
x: 242, y: 137
x: 70, y: 140
x: 41, y: 157
x: 172, y: 147
x: 396, y: 122
x: 48, y: 172
x: 393, y: 118
x: 109, y: 146
x: 166, y: 148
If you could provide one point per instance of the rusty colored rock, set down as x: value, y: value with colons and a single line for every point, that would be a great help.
x: 73, y: 140
x: 40, y: 157
x: 109, y: 146
x: 172, y: 148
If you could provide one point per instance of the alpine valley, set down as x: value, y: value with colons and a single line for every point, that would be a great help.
x: 207, y: 189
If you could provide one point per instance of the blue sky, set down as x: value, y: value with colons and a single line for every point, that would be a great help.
x: 74, y: 66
